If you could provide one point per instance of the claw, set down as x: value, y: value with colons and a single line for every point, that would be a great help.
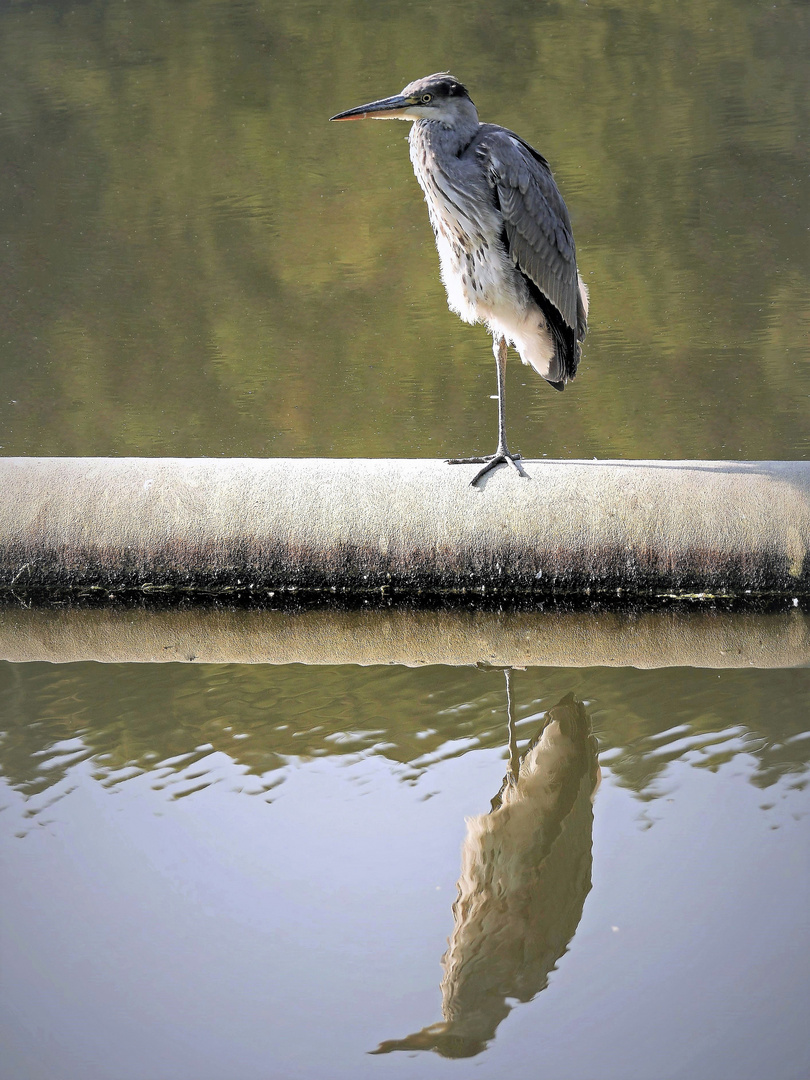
x: 499, y: 459
x: 491, y: 461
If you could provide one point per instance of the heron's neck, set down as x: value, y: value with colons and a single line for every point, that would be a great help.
x: 445, y: 138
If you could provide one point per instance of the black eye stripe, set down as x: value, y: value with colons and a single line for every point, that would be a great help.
x: 441, y: 90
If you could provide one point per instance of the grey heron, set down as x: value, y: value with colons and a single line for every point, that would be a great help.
x: 503, y: 233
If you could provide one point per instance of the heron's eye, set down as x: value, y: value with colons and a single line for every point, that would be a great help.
x: 426, y: 98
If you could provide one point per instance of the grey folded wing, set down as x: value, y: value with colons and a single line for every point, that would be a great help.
x: 536, y: 222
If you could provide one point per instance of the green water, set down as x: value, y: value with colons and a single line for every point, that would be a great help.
x: 225, y: 872
x: 194, y: 262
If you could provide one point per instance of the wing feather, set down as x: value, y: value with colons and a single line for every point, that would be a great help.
x: 536, y: 221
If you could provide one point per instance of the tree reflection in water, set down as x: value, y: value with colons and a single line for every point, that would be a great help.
x: 525, y: 873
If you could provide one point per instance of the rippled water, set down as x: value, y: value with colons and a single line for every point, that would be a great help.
x: 219, y: 871
x: 243, y: 871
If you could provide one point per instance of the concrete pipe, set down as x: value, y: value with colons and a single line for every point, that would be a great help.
x: 631, y: 529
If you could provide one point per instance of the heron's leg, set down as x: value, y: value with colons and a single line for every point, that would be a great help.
x: 499, y: 349
x: 501, y: 455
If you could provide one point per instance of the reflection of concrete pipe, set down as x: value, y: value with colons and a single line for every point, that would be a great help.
x: 214, y: 635
x: 353, y: 526
x: 525, y: 874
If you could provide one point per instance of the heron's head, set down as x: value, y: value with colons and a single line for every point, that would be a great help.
x: 438, y: 97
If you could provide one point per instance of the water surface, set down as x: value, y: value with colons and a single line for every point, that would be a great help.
x: 251, y: 871
x: 196, y: 263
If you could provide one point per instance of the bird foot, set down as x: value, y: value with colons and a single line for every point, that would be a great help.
x: 491, y: 461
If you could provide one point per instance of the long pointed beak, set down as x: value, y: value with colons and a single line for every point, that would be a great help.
x: 385, y: 109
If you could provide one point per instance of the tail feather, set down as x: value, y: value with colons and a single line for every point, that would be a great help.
x: 566, y: 346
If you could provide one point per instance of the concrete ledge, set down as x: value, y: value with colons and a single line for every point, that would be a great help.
x: 651, y: 639
x: 404, y: 527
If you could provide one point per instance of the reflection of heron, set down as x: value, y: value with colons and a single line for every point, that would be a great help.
x: 502, y: 229
x: 525, y: 873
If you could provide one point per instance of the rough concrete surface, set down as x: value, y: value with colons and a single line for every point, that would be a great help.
x: 408, y: 527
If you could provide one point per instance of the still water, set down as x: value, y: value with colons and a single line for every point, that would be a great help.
x: 195, y: 262
x: 216, y: 872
